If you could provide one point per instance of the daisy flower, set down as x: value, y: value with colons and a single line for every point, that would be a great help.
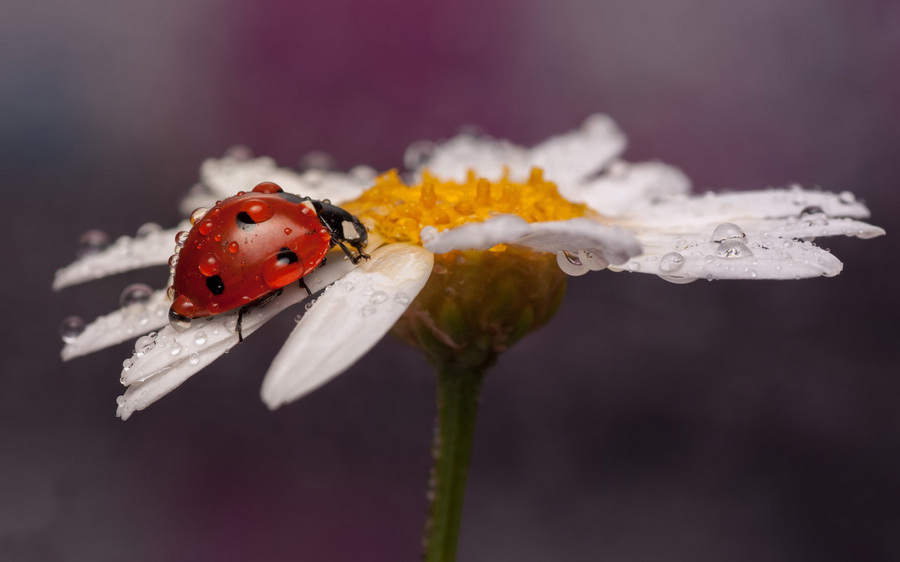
x: 494, y: 226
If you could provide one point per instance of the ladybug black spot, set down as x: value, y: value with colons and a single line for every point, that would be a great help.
x: 215, y: 285
x: 244, y: 221
x: 286, y: 256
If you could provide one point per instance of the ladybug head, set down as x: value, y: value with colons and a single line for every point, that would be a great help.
x: 343, y: 226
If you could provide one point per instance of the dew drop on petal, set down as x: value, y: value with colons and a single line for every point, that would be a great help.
x: 148, y: 229
x: 847, y: 197
x: 678, y: 280
x: 378, y: 297
x: 813, y: 215
x: 727, y: 231
x: 733, y: 249
x: 138, y: 293
x: 634, y: 266
x: 194, y: 358
x: 71, y: 328
x: 144, y: 344
x: 593, y: 261
x: 200, y: 337
x: 673, y: 261
x: 175, y: 348
x: 570, y: 264
x: 92, y: 242
x: 401, y: 298
x: 367, y: 310
x: 127, y: 364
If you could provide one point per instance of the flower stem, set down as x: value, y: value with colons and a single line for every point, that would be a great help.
x: 458, y: 395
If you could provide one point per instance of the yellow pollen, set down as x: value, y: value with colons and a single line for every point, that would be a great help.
x: 399, y: 212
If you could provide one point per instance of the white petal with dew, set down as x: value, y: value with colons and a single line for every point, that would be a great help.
x: 176, y: 355
x: 224, y: 177
x: 121, y: 325
x: 790, y: 259
x: 614, y: 245
x: 626, y: 185
x: 565, y: 158
x: 738, y: 207
x: 346, y: 321
x: 124, y: 254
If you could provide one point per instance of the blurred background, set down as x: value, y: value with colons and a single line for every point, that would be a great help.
x: 738, y: 421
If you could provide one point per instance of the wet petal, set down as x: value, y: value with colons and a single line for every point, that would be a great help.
x: 176, y: 355
x: 613, y: 244
x: 124, y: 254
x: 223, y: 177
x: 625, y: 186
x: 121, y: 325
x: 564, y: 158
x: 346, y: 321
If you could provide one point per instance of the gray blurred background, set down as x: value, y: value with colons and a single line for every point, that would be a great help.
x: 737, y: 421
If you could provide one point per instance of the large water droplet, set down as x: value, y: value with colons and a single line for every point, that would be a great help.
x: 181, y: 238
x: 728, y: 231
x: 173, y: 262
x: 194, y: 359
x: 200, y: 337
x: 733, y: 249
x: 570, y: 264
x: 175, y: 348
x: 813, y: 215
x: 138, y: 293
x: 92, y: 242
x: 71, y: 328
x: 144, y: 344
x: 673, y: 261
x: 198, y: 214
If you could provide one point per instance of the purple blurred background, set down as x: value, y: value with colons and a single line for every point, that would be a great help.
x: 737, y: 421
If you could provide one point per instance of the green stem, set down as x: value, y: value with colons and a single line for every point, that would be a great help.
x: 457, y: 397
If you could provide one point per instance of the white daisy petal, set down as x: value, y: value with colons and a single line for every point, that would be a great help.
x: 614, y: 245
x: 714, y: 208
x: 735, y: 259
x: 119, y: 326
x: 626, y: 186
x: 124, y: 254
x: 346, y: 321
x: 564, y: 158
x: 223, y: 177
x: 174, y: 356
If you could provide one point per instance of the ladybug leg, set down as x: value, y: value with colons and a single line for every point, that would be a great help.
x: 303, y: 286
x: 359, y: 253
x: 240, y: 322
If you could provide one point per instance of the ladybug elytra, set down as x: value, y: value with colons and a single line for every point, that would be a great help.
x: 248, y: 247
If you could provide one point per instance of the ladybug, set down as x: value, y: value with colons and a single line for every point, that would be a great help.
x: 243, y: 251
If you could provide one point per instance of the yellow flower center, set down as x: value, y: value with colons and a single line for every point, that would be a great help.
x: 398, y: 212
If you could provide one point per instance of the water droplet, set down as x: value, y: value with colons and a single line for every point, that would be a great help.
x: 678, y: 280
x: 178, y: 322
x: 671, y: 262
x: 733, y: 249
x: 144, y: 344
x: 137, y: 293
x: 198, y: 214
x: 847, y: 197
x: 634, y: 266
x: 418, y: 154
x: 728, y: 231
x: 813, y: 215
x: 173, y: 262
x: 209, y: 266
x: 346, y: 285
x: 181, y: 238
x: 71, y: 328
x: 194, y: 359
x: 592, y: 260
x: 401, y: 298
x: 175, y: 348
x: 367, y: 310
x: 233, y: 247
x: 147, y: 229
x: 570, y: 264
x: 378, y: 297
x: 787, y: 244
x: 200, y: 337
x: 317, y: 160
x: 120, y: 400
x: 92, y: 242
x: 205, y: 227
x: 681, y: 244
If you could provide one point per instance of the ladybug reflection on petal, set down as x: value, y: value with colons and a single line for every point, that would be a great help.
x: 246, y: 248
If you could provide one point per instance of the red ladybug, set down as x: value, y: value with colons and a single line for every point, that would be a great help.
x: 251, y: 245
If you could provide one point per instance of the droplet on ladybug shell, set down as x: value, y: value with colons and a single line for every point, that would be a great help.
x: 173, y: 262
x: 209, y: 266
x: 205, y: 227
x: 217, y: 237
x: 287, y: 231
x: 255, y: 211
x: 181, y: 238
x: 198, y: 214
x: 181, y: 312
x: 170, y: 292
x: 233, y: 247
x: 267, y: 187
x: 281, y: 269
